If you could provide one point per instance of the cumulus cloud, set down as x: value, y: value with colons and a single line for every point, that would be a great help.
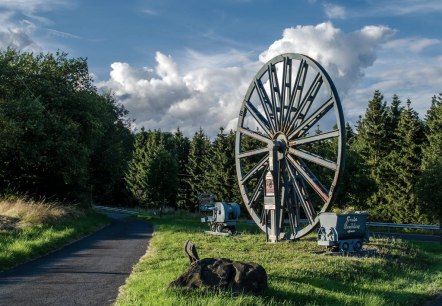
x: 207, y: 94
x: 207, y: 90
x: 343, y: 55
x: 149, y: 93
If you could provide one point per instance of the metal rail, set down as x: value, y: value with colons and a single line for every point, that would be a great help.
x: 407, y: 226
x: 379, y: 224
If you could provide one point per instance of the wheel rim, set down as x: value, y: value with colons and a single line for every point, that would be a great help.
x: 288, y: 97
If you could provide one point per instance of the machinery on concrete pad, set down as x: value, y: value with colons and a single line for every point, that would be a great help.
x: 223, y: 219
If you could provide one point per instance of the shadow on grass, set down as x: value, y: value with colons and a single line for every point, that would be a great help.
x: 390, y: 296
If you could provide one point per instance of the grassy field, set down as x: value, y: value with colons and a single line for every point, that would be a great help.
x: 29, y: 229
x: 405, y: 274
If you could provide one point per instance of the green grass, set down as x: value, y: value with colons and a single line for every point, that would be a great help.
x: 33, y: 240
x: 406, y: 274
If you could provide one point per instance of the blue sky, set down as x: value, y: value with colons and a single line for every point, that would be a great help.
x: 188, y: 63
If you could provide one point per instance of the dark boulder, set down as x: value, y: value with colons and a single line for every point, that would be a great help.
x: 222, y: 273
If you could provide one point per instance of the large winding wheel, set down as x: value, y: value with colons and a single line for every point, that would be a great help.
x: 290, y: 145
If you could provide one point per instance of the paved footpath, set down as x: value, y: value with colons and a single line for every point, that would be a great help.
x: 87, y: 272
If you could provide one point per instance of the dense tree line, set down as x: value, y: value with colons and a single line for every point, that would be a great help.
x: 393, y: 165
x: 393, y: 162
x: 188, y: 168
x: 58, y: 136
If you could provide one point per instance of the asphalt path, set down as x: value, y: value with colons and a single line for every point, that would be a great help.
x: 87, y: 272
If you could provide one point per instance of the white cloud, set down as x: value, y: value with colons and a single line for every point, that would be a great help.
x: 148, y: 93
x: 16, y: 34
x: 32, y: 6
x: 405, y: 7
x: 334, y: 11
x: 149, y: 12
x: 412, y: 44
x: 410, y: 75
x: 20, y: 32
x: 382, y: 8
x: 343, y: 55
x: 62, y: 34
x: 207, y: 90
x: 207, y: 95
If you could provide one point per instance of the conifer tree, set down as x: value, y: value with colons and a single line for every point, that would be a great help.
x: 152, y: 174
x: 137, y: 168
x: 221, y: 175
x: 372, y: 134
x: 430, y: 182
x: 350, y: 135
x: 356, y: 186
x: 162, y: 178
x: 182, y: 147
x: 373, y: 146
x: 403, y: 165
x: 196, y: 166
x: 394, y: 113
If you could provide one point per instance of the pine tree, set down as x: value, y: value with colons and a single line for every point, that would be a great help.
x: 394, y: 113
x: 372, y: 134
x: 350, y: 135
x: 373, y: 145
x: 196, y: 166
x: 137, y: 168
x: 162, y: 178
x: 432, y: 151
x: 430, y: 182
x: 221, y: 175
x: 152, y: 174
x: 356, y: 186
x: 403, y: 165
x: 182, y: 147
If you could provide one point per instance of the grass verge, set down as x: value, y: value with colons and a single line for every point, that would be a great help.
x: 406, y: 274
x: 30, y: 229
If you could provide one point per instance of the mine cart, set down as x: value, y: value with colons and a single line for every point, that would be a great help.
x: 224, y: 216
x: 346, y: 232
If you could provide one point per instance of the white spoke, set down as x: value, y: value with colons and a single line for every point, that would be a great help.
x: 314, y: 158
x: 263, y: 123
x: 253, y: 152
x: 315, y: 138
x: 313, y: 182
x: 255, y: 135
x: 265, y: 102
x: 255, y: 169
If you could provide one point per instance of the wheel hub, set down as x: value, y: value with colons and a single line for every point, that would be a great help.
x: 280, y: 144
